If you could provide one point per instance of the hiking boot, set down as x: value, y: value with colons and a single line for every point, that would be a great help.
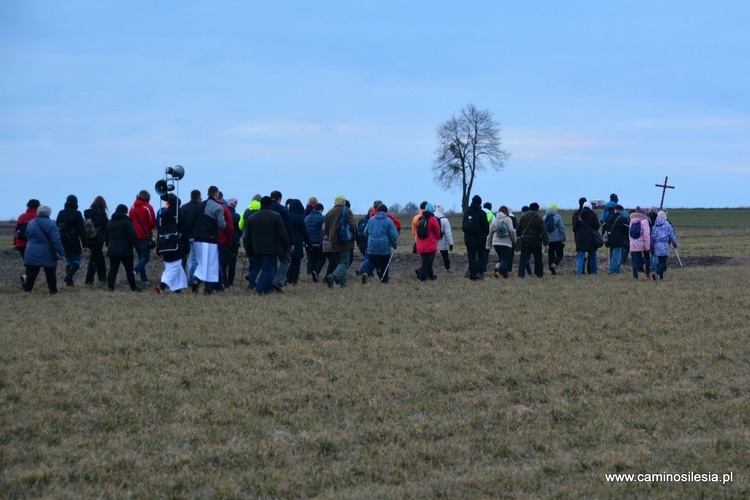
x: 314, y: 277
x: 553, y: 269
x: 23, y: 280
x: 329, y: 281
x: 497, y: 275
x: 364, y: 278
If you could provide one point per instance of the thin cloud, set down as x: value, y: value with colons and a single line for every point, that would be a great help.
x: 543, y: 144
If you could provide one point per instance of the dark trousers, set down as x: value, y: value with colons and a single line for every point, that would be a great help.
x: 661, y: 266
x: 332, y: 262
x: 446, y: 259
x: 224, y: 252
x: 526, y: 254
x: 475, y: 255
x: 114, y: 267
x: 97, y: 265
x: 315, y: 259
x: 504, y: 259
x: 292, y: 275
x: 425, y: 270
x: 232, y: 265
x: 555, y: 253
x: 380, y: 263
x: 50, y: 273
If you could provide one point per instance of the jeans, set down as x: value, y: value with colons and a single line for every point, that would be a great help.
x: 284, y: 263
x: 615, y: 260
x: 72, y: 258
x: 192, y: 264
x: 144, y: 253
x: 268, y: 270
x: 524, y: 261
x: 638, y: 258
x: 591, y: 260
x: 661, y: 266
x: 315, y: 259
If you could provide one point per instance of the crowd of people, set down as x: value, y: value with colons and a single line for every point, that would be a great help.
x: 199, y: 241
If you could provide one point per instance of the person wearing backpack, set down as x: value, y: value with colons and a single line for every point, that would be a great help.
x: 342, y: 239
x: 120, y: 238
x: 639, y: 235
x: 445, y: 243
x: 97, y: 215
x: 43, y: 249
x: 502, y: 237
x: 171, y: 221
x: 475, y: 228
x: 300, y: 239
x: 19, y: 232
x: 428, y: 234
x: 73, y: 234
x: 314, y: 225
x: 557, y: 238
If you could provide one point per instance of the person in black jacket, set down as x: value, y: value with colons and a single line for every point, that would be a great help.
x: 172, y: 244
x: 532, y: 231
x: 267, y: 239
x: 476, y: 227
x: 300, y: 239
x: 188, y: 212
x: 97, y: 264
x: 234, y: 249
x: 121, y: 240
x: 618, y: 241
x: 584, y: 227
x: 70, y: 224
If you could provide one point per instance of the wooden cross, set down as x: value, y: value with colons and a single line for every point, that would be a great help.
x: 663, y: 190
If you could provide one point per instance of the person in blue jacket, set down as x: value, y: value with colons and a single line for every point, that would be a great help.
x: 382, y: 235
x: 43, y: 249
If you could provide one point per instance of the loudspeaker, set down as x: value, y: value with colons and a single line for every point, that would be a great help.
x: 177, y: 172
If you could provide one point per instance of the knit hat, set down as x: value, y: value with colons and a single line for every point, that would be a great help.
x: 44, y: 211
x: 339, y: 199
x: 641, y: 210
x: 232, y: 202
x: 662, y: 215
x: 653, y: 210
x: 586, y: 204
x: 121, y: 209
x: 429, y: 208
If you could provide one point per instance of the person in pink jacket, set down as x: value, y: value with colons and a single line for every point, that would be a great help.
x: 640, y: 240
x: 427, y: 241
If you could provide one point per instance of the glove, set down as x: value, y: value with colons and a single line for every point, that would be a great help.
x: 450, y: 248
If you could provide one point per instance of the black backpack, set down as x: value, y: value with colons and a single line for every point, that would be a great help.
x: 21, y: 231
x: 361, y: 240
x: 471, y: 223
x: 422, y: 226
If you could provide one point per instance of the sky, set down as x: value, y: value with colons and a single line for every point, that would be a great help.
x: 340, y: 97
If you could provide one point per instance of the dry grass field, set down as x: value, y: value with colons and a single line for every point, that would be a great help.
x: 501, y: 388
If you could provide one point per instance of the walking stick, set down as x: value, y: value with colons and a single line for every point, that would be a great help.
x: 385, y: 273
x: 678, y: 257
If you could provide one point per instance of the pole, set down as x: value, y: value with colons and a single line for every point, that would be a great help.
x: 385, y: 273
x: 678, y: 257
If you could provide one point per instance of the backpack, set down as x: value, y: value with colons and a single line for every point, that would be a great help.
x: 90, y: 228
x: 470, y: 224
x: 422, y: 226
x: 168, y: 239
x: 21, y: 231
x: 440, y: 223
x: 67, y: 232
x: 361, y: 240
x: 549, y: 221
x: 635, y: 230
x: 345, y: 233
x: 502, y: 230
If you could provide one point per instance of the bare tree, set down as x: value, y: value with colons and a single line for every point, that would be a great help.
x: 467, y: 143
x: 395, y: 208
x: 410, y: 208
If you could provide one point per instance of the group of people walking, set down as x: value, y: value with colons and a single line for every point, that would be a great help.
x: 199, y: 241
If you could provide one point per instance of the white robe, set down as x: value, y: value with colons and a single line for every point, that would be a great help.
x: 208, y: 261
x: 174, y: 276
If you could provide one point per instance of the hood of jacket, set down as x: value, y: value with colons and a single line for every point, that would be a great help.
x: 550, y: 212
x: 660, y: 222
x: 295, y: 207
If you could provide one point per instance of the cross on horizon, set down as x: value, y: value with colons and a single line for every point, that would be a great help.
x: 663, y: 191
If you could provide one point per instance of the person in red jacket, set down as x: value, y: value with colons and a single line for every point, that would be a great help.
x: 226, y: 236
x: 144, y: 221
x: 427, y: 246
x: 19, y: 243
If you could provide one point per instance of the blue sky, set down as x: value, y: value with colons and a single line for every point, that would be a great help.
x: 328, y: 98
